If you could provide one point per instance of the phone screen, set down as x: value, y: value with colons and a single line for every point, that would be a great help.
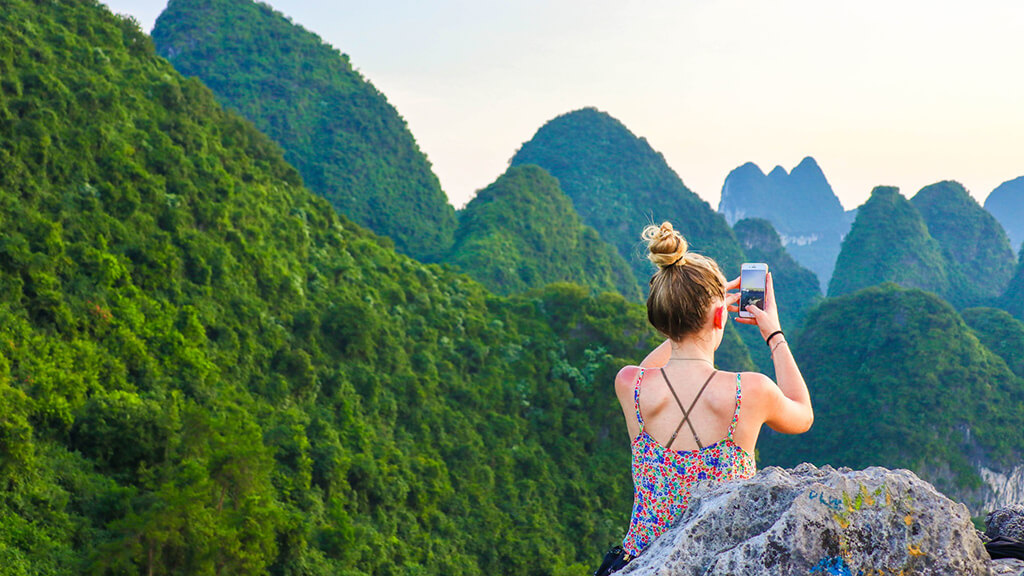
x: 752, y: 283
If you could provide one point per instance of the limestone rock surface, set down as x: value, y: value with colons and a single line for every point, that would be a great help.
x: 1007, y: 522
x: 810, y: 521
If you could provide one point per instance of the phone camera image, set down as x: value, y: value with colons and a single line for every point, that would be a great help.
x: 752, y: 297
x: 753, y: 283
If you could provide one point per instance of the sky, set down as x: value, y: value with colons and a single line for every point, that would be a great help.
x: 894, y: 92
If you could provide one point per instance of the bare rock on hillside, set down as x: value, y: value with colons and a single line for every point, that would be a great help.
x: 810, y: 521
x: 1007, y: 522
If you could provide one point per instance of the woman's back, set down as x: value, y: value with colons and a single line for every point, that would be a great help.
x: 674, y: 448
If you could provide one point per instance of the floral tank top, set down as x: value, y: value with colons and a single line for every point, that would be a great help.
x: 662, y: 478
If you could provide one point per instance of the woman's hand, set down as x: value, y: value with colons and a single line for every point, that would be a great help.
x: 767, y: 320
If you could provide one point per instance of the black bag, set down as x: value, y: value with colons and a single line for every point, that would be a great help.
x: 614, y: 560
x: 1003, y: 547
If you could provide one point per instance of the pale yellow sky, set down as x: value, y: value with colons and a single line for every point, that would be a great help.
x: 879, y: 92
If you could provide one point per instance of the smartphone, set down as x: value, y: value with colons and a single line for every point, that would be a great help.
x: 753, y: 276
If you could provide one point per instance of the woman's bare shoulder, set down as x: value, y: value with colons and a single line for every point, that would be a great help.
x: 753, y: 382
x: 625, y: 379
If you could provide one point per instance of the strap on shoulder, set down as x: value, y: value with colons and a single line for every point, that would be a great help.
x: 636, y: 397
x: 736, y: 413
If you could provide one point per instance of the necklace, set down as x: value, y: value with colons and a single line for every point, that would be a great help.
x: 695, y: 359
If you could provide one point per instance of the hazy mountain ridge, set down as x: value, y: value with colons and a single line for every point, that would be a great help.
x: 800, y: 205
x: 347, y: 141
x: 1006, y: 203
x: 522, y: 232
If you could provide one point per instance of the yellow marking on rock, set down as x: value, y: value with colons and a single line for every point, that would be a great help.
x: 914, y: 550
x: 868, y: 499
x: 841, y: 520
x: 908, y: 520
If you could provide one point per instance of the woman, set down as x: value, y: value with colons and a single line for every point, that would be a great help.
x: 684, y: 418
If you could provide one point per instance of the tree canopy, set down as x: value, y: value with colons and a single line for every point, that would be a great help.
x: 522, y: 232
x: 348, y: 143
x: 205, y: 369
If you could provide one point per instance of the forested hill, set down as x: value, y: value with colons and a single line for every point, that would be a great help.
x: 204, y: 369
x: 900, y: 381
x: 976, y: 251
x: 889, y: 242
x: 522, y: 232
x: 619, y: 184
x: 347, y: 141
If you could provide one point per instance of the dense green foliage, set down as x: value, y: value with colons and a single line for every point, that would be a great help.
x: 1006, y: 203
x: 205, y: 370
x: 889, y: 242
x: 975, y: 249
x: 1013, y: 299
x: 796, y: 288
x: 522, y: 232
x: 619, y: 184
x: 1000, y: 333
x: 347, y: 141
x: 800, y: 205
x: 899, y: 380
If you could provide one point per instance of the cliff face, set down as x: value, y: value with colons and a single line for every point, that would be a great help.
x: 1005, y: 488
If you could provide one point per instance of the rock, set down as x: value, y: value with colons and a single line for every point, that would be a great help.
x: 1007, y: 522
x: 810, y: 521
x: 1008, y: 567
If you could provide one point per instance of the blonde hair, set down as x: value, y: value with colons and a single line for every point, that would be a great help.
x: 684, y: 288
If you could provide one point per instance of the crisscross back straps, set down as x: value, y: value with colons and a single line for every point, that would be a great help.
x: 686, y: 413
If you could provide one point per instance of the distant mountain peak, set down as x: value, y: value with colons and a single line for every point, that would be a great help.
x: 800, y: 205
x: 619, y: 183
x: 778, y: 173
x: 1006, y: 203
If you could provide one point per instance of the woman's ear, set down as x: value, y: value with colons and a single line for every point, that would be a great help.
x: 720, y: 317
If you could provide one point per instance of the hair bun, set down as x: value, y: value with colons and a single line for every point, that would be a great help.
x: 667, y: 246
